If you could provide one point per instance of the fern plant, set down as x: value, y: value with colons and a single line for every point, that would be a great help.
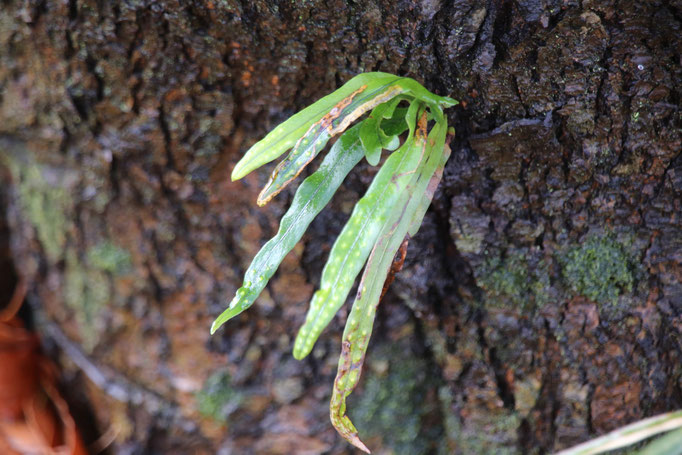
x: 389, y: 213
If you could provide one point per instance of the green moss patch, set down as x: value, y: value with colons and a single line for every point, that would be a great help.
x: 46, y: 206
x: 108, y: 257
x: 218, y: 398
x: 600, y: 269
x: 87, y: 291
x: 509, y: 280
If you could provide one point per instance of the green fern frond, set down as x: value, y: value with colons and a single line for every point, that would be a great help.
x: 389, y: 213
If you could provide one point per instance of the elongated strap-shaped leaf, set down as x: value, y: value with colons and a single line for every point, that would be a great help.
x: 286, y: 134
x: 311, y: 197
x: 427, y: 197
x: 361, y: 319
x: 355, y: 242
x: 314, y: 140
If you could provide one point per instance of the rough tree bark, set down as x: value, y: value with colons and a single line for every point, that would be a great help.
x: 540, y: 303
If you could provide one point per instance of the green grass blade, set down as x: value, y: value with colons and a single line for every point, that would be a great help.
x: 669, y: 444
x: 628, y: 435
x: 311, y: 197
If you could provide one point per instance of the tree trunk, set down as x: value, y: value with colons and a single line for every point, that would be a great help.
x: 540, y: 303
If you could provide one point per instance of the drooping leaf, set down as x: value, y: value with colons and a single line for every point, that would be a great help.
x: 311, y: 197
x: 389, y: 142
x: 355, y: 242
x: 413, y: 204
x: 438, y: 136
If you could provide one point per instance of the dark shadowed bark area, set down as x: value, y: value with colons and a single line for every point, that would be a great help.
x: 540, y: 304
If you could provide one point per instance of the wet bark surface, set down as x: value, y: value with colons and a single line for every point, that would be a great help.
x: 540, y: 303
